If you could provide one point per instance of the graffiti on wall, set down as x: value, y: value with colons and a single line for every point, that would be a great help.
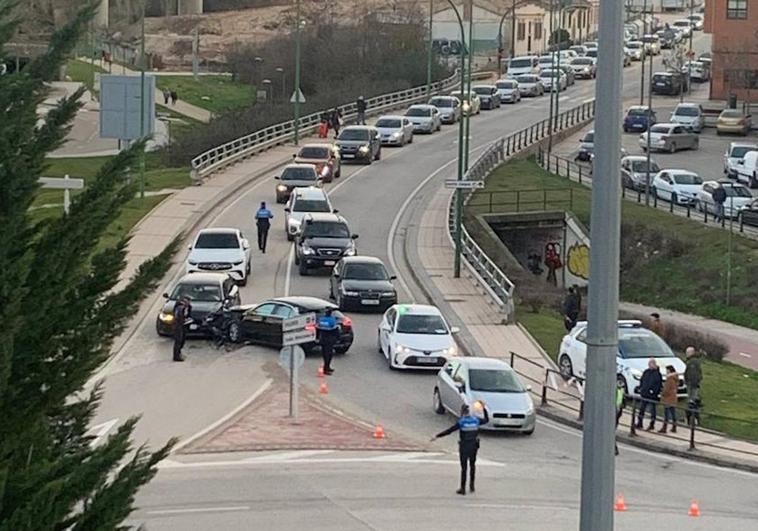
x: 578, y: 260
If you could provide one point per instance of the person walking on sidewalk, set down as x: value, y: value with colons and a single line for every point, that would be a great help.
x: 650, y: 389
x: 182, y: 311
x: 327, y: 330
x: 570, y: 309
x: 335, y: 121
x: 468, y: 442
x: 719, y: 198
x: 360, y: 107
x: 263, y: 219
x: 693, y: 378
x: 166, y: 96
x: 620, y: 402
x: 669, y: 400
x: 174, y: 97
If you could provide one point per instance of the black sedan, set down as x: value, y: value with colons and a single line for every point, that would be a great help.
x: 749, y: 213
x: 262, y: 323
x: 362, y: 282
x: 207, y: 292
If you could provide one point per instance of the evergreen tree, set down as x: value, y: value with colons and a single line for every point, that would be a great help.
x: 59, y: 316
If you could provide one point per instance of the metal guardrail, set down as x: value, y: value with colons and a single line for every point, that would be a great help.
x: 226, y: 154
x: 487, y: 273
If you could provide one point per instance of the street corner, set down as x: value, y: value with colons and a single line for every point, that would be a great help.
x: 265, y: 425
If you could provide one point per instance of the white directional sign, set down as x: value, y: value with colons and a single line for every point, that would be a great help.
x: 297, y: 95
x: 463, y: 185
x: 66, y: 184
x: 298, y: 322
x: 297, y: 337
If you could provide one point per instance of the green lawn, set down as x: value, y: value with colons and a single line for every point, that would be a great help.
x: 214, y: 93
x: 83, y: 72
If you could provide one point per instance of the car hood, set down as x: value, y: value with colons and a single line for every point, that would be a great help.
x: 506, y: 92
x: 485, y: 96
x: 296, y: 216
x: 503, y: 402
x: 366, y: 285
x: 386, y: 131
x: 636, y: 119
x: 419, y: 119
x: 730, y: 121
x: 423, y: 342
x: 527, y: 84
x: 199, y: 309
x: 691, y: 189
x: 640, y: 364
x: 294, y: 183
x: 685, y: 119
x: 352, y: 143
x: 339, y: 243
x: 216, y: 255
x: 315, y: 162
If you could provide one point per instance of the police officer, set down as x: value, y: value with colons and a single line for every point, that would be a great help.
x: 468, y: 442
x: 263, y: 219
x: 328, y: 334
x: 182, y: 311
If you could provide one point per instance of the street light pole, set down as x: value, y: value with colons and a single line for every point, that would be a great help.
x: 689, y: 56
x: 142, y: 104
x: 644, y: 52
x: 470, y: 49
x: 647, y: 141
x: 729, y: 252
x: 552, y: 81
x: 430, y: 53
x: 280, y: 70
x: 297, y: 72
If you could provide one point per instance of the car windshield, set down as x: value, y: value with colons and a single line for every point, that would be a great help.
x: 505, y: 84
x: 390, y: 123
x: 640, y: 166
x: 310, y: 205
x: 589, y: 137
x: 485, y: 91
x: 659, y: 129
x: 582, y: 61
x: 299, y: 174
x: 354, y: 134
x: 314, y: 153
x: 641, y: 343
x: 526, y: 79
x: 217, y: 240
x: 682, y: 23
x: 737, y: 191
x: 731, y: 114
x: 421, y: 324
x: 365, y: 272
x: 197, y: 292
x: 687, y: 178
x: 687, y: 111
x: 649, y: 38
x: 634, y: 45
x: 661, y: 78
x: 416, y: 111
x: 592, y: 53
x: 494, y: 381
x: 739, y: 151
x: 440, y: 102
x: 520, y: 63
x: 326, y: 229
x: 549, y: 73
x: 638, y: 112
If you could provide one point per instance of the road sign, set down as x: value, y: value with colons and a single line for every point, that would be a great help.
x: 297, y: 337
x: 299, y: 322
x: 464, y: 185
x: 121, y: 103
x: 291, y: 352
x: 66, y: 184
x: 297, y: 94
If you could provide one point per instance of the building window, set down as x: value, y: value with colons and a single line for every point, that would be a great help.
x: 741, y: 79
x: 538, y: 30
x: 736, y: 9
x: 521, y: 31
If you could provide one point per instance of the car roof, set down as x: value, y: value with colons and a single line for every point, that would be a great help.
x: 362, y: 260
x: 446, y: 97
x: 309, y: 303
x: 324, y: 216
x: 300, y: 165
x: 665, y: 124
x: 679, y: 171
x: 688, y: 104
x: 742, y: 144
x: 310, y: 192
x: 643, y: 107
x: 391, y: 117
x: 317, y: 145
x: 522, y: 57
x: 359, y: 127
x: 637, y: 157
x: 621, y: 323
x: 421, y: 106
x: 483, y: 86
x: 419, y: 309
x: 203, y: 278
x: 482, y: 363
x: 725, y: 182
x: 218, y: 230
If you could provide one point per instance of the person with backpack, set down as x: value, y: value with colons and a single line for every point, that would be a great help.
x: 719, y: 198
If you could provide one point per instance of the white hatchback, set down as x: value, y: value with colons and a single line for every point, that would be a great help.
x: 301, y: 202
x: 415, y: 336
x: 677, y: 186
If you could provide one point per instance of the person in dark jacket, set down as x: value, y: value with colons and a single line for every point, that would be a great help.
x: 468, y: 442
x: 669, y: 399
x: 328, y: 333
x: 335, y: 121
x: 719, y: 198
x: 570, y: 309
x: 263, y: 219
x: 360, y: 107
x: 651, y: 384
x: 182, y: 311
x: 693, y: 377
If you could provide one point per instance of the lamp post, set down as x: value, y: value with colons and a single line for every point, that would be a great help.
x: 142, y: 103
x: 430, y: 52
x: 510, y: 11
x: 644, y: 52
x: 297, y: 72
x: 280, y: 70
x: 470, y: 50
x: 552, y: 81
x: 258, y: 62
x: 689, y: 55
x: 267, y: 88
x: 650, y: 111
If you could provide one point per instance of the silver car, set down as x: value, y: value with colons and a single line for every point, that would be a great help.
x: 530, y: 85
x: 394, y: 130
x: 634, y: 172
x: 689, y: 114
x: 734, y: 154
x: 449, y: 107
x: 488, y: 381
x: 425, y: 118
x: 584, y: 67
x: 508, y: 90
x: 670, y: 137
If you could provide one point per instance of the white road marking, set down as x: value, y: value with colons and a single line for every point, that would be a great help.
x: 288, y: 275
x: 201, y: 510
x: 101, y: 430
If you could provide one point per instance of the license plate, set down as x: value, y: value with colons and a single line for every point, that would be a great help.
x: 329, y: 262
x: 427, y: 360
x: 193, y: 326
x: 660, y: 84
x: 348, y: 156
x: 370, y: 302
x: 509, y: 422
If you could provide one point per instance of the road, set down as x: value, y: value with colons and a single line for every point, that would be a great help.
x: 536, y: 483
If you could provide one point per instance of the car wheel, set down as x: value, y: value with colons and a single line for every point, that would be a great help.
x: 654, y: 191
x: 290, y: 237
x: 339, y: 302
x: 378, y: 154
x: 379, y: 344
x: 672, y: 148
x: 529, y: 432
x: 753, y: 182
x: 437, y: 402
x: 410, y: 140
x: 243, y: 280
x: 338, y: 173
x: 234, y: 333
x: 565, y: 366
x: 302, y: 269
x: 297, y: 259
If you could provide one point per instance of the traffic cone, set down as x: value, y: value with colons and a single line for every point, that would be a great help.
x: 620, y: 504
x: 379, y: 432
x: 320, y: 372
x: 694, y: 509
x: 323, y: 389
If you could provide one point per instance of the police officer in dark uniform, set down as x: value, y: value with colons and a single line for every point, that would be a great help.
x: 182, y: 310
x: 328, y: 334
x: 263, y: 217
x: 468, y: 442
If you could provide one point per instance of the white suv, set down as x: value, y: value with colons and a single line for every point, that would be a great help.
x: 636, y: 346
x: 220, y: 251
x: 301, y: 202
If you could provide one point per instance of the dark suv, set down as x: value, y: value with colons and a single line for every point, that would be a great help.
x: 360, y: 143
x: 669, y: 83
x: 322, y: 241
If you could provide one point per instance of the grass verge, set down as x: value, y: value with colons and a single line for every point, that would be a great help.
x: 214, y: 93
x: 83, y: 72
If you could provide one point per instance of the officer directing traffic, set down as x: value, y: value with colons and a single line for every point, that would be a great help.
x: 327, y: 330
x: 263, y: 219
x: 182, y: 312
x: 468, y: 442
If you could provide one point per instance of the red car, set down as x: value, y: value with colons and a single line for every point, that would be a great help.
x: 324, y: 156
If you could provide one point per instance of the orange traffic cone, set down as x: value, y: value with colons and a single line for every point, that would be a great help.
x: 620, y: 504
x: 694, y: 509
x: 323, y: 389
x: 320, y: 372
x: 379, y: 432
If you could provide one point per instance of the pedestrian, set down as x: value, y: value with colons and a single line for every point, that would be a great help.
x: 323, y: 128
x: 693, y: 378
x: 620, y: 403
x: 166, y: 96
x: 328, y: 333
x: 669, y: 399
x: 335, y: 121
x: 656, y: 325
x: 719, y: 198
x: 570, y: 309
x: 360, y: 107
x: 578, y: 294
x: 174, y: 97
x: 263, y: 219
x: 468, y: 442
x: 649, y: 390
x: 182, y: 312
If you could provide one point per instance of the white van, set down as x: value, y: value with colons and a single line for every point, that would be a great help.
x: 525, y: 64
x: 747, y: 169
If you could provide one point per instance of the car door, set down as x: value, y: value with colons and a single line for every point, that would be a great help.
x: 273, y: 329
x: 376, y: 141
x: 626, y: 175
x: 446, y: 386
x: 407, y: 129
x: 457, y: 398
x: 386, y: 328
x: 663, y: 185
x: 706, y: 197
x: 254, y: 322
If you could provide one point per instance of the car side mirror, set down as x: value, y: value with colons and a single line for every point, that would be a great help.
x: 354, y: 236
x: 393, y: 277
x: 528, y: 387
x: 189, y: 247
x: 454, y: 330
x: 233, y: 292
x: 288, y: 210
x: 741, y: 162
x: 335, y: 211
x: 165, y: 295
x: 294, y: 155
x: 461, y: 387
x: 276, y: 177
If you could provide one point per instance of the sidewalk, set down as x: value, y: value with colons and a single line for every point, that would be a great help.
x: 485, y: 335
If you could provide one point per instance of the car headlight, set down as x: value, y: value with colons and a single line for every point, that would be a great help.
x: 192, y: 262
x: 450, y: 351
x: 636, y: 373
x: 530, y: 408
x: 396, y: 134
x: 349, y: 293
x: 661, y: 141
x: 350, y: 252
x: 281, y: 188
x: 400, y: 349
x: 363, y: 149
x: 166, y: 317
x: 388, y: 294
x: 308, y: 250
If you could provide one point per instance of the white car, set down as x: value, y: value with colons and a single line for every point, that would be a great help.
x: 636, y: 50
x: 394, y: 130
x: 684, y: 25
x: 652, y: 44
x: 449, y: 107
x: 747, y: 169
x: 697, y: 71
x: 415, y: 336
x: 508, y: 90
x: 636, y: 346
x: 472, y: 104
x: 425, y: 118
x: 301, y: 202
x: 530, y: 85
x: 697, y: 20
x: 735, y: 153
x: 689, y: 114
x: 526, y: 64
x: 547, y: 61
x: 737, y: 197
x: 677, y: 186
x: 220, y: 251
x: 549, y: 76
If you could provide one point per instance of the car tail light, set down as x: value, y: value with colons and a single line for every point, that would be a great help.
x: 347, y: 322
x: 310, y: 326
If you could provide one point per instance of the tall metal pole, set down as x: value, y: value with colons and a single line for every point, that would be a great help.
x: 552, y: 81
x: 644, y: 52
x: 142, y: 103
x: 467, y: 135
x: 461, y: 124
x: 513, y: 29
x: 647, y: 141
x: 729, y: 253
x: 297, y: 73
x: 598, y: 439
x: 430, y: 53
x: 689, y: 57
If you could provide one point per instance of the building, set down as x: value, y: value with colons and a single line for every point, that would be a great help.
x: 734, y: 27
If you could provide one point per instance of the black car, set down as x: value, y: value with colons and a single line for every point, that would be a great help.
x: 207, y: 293
x: 749, y: 213
x: 668, y: 83
x: 294, y: 176
x: 362, y: 282
x: 360, y: 143
x: 262, y: 323
x: 323, y: 240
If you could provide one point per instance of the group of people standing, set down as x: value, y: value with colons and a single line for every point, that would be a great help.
x: 333, y: 119
x: 170, y: 96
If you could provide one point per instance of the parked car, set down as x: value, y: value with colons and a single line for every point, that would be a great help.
x: 322, y: 241
x: 668, y: 83
x: 394, y: 130
x: 749, y: 214
x: 666, y: 38
x: 636, y: 345
x: 733, y: 121
x: 525, y: 64
x: 670, y: 137
x: 530, y: 85
x: 634, y: 172
x: 638, y: 118
x: 296, y: 175
x: 554, y: 80
x: 362, y: 282
x: 425, y: 118
x: 207, y: 292
x: 220, y: 250
x: 706, y: 58
x: 579, y: 49
x: 488, y: 96
x: 547, y: 62
x: 677, y: 186
x: 360, y: 143
x: 449, y: 108
x: 568, y: 72
x: 415, y: 336
x: 697, y: 71
x: 584, y: 67
x: 492, y: 382
x: 508, y: 90
x: 747, y: 169
x: 591, y: 52
x: 737, y: 196
x: 734, y: 154
x: 586, y: 146
x: 652, y: 44
x: 627, y: 58
x: 301, y: 202
x: 262, y: 323
x: 472, y: 103
x: 322, y: 156
x: 636, y: 50
x: 689, y: 114
x: 697, y: 20
x: 684, y: 25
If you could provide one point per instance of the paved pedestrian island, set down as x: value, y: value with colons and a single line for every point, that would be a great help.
x: 265, y: 425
